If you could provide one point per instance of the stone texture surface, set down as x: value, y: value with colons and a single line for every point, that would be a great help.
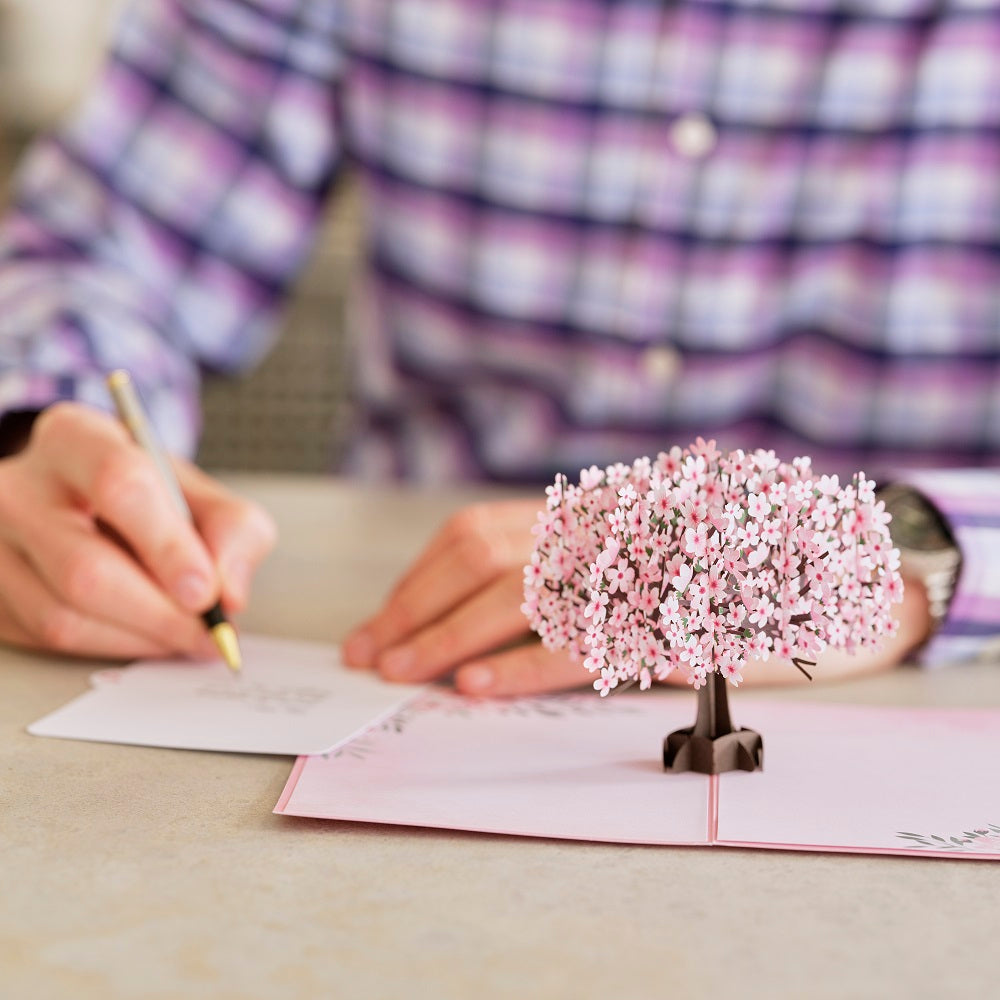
x: 156, y: 874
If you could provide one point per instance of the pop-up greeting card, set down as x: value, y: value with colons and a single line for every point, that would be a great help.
x: 696, y: 564
x: 846, y: 778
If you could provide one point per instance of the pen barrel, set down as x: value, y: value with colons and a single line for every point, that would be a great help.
x: 132, y: 415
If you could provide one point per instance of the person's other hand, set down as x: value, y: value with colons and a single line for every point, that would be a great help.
x: 94, y: 558
x: 458, y: 609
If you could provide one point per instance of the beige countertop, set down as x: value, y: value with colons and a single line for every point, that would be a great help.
x: 143, y: 873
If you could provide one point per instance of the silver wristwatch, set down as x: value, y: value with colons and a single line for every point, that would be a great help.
x: 927, y: 548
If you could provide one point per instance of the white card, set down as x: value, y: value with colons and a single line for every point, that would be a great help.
x: 289, y: 698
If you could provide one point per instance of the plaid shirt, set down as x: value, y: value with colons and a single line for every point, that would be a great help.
x: 594, y: 227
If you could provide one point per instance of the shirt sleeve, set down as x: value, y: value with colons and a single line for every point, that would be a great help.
x: 969, y: 501
x: 160, y: 228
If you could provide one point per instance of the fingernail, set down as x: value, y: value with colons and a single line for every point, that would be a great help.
x: 193, y: 591
x: 358, y: 650
x: 398, y: 663
x: 476, y: 678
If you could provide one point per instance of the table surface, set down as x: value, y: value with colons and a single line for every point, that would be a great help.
x: 145, y: 873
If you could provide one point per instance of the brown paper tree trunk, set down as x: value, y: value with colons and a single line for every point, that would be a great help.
x: 712, y: 745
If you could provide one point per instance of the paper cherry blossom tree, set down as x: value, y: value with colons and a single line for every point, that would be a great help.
x: 703, y: 563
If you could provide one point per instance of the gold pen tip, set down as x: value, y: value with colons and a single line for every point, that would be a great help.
x: 229, y: 646
x: 118, y: 378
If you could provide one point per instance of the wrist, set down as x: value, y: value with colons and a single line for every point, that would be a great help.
x: 916, y: 622
x: 929, y: 558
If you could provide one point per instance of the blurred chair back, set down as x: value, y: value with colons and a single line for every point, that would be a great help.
x: 289, y: 414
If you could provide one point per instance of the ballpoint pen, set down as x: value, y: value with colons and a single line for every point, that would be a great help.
x: 132, y: 415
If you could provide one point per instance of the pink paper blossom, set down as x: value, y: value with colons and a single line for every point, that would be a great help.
x: 703, y: 562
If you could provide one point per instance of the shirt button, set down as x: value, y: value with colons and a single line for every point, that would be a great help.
x: 660, y: 364
x: 693, y: 135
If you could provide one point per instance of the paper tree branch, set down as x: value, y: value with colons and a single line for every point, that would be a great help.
x: 712, y: 745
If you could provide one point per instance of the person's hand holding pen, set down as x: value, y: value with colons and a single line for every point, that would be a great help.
x: 95, y: 559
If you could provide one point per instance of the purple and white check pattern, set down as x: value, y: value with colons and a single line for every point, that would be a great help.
x: 558, y: 274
